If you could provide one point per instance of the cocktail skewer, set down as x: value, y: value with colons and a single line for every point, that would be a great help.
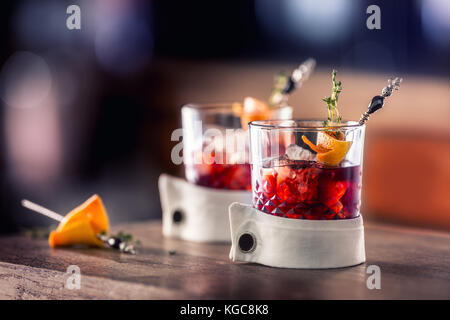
x: 378, y: 101
x: 112, y: 242
x: 295, y: 80
x: 40, y: 209
x: 300, y: 75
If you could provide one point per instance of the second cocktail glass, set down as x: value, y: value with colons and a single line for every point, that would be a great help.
x: 208, y: 131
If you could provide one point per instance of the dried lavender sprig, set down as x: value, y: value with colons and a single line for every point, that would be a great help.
x: 378, y: 101
x: 280, y: 95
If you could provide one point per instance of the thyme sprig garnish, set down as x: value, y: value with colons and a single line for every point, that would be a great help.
x: 333, y: 116
x: 277, y: 96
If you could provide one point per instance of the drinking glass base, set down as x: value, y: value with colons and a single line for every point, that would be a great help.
x: 274, y: 241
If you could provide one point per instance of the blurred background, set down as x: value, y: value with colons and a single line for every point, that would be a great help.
x: 92, y: 110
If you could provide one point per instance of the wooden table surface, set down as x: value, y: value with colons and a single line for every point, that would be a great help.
x: 414, y: 264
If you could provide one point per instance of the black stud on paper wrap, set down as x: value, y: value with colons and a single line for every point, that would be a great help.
x: 378, y: 101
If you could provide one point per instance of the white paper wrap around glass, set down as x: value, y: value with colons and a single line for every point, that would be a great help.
x: 294, y: 243
x: 196, y: 213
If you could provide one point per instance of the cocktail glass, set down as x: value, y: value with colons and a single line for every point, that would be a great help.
x: 215, y: 147
x: 289, y: 181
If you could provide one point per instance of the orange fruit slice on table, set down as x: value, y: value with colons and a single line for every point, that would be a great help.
x: 81, y: 225
x: 330, y: 151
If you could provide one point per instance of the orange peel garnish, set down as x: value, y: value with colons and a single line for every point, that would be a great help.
x: 251, y: 110
x: 237, y: 108
x: 76, y: 233
x: 82, y: 225
x: 317, y: 149
x: 330, y: 151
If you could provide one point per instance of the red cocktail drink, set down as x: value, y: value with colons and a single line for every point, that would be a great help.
x: 307, y: 190
x: 315, y: 174
x: 220, y: 176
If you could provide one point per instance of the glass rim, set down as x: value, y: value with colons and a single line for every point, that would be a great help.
x: 287, y: 125
x: 218, y: 105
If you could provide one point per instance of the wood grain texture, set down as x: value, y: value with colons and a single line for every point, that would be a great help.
x: 414, y: 264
